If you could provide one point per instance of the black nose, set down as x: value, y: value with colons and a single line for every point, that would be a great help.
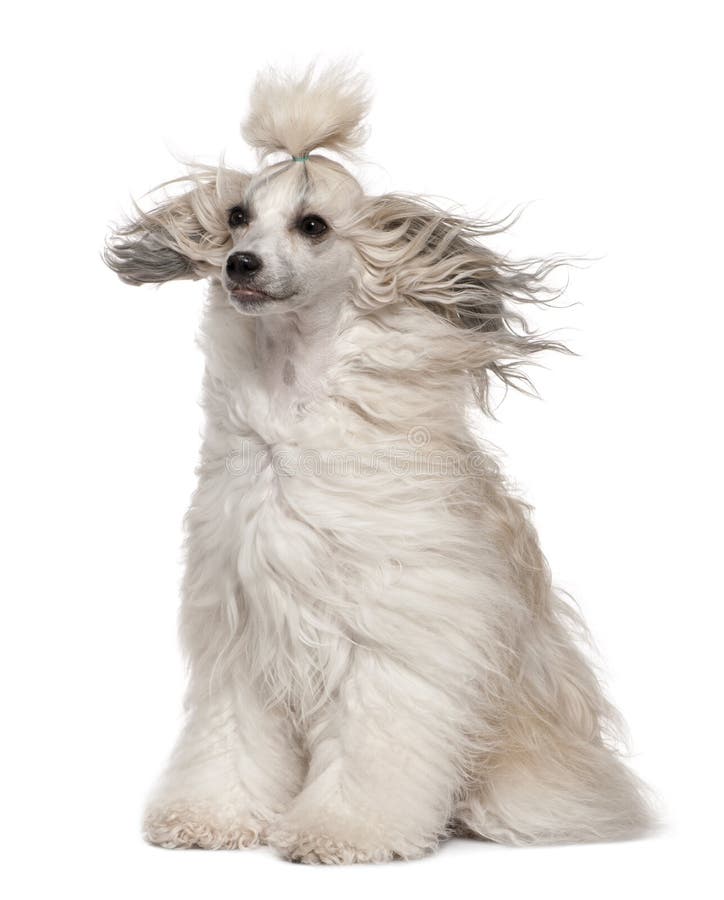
x: 240, y: 266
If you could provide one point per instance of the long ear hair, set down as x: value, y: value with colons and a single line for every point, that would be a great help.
x: 416, y: 253
x: 185, y: 236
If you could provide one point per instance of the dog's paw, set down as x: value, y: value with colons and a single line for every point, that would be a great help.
x: 319, y: 848
x: 199, y: 825
x: 328, y: 837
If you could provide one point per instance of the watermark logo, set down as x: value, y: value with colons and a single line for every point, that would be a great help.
x: 411, y: 455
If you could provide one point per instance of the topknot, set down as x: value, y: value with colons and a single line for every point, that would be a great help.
x: 298, y: 114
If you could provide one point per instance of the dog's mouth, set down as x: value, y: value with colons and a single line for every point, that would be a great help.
x: 250, y: 295
x: 253, y: 300
x: 246, y: 297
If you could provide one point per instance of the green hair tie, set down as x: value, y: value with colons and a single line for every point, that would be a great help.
x: 300, y: 158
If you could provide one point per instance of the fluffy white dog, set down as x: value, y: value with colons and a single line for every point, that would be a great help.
x: 377, y: 657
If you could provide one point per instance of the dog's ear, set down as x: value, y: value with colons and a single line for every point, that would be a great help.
x: 416, y: 253
x: 185, y: 236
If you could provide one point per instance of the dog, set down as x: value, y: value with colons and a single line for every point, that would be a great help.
x: 377, y: 657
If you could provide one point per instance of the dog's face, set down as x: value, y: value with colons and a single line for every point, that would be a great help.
x: 276, y: 241
x: 288, y: 247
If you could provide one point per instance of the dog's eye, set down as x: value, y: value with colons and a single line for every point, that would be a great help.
x: 237, y: 217
x: 312, y: 225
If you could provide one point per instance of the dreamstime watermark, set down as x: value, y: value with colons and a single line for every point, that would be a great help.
x: 413, y: 455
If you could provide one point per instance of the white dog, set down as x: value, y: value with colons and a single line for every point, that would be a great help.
x: 377, y: 657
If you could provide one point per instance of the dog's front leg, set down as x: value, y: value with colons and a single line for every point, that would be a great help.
x: 384, y: 768
x: 234, y: 768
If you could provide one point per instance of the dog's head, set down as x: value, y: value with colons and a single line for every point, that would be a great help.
x: 276, y: 240
x: 302, y: 233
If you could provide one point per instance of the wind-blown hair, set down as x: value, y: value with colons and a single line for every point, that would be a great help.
x: 415, y: 252
x: 185, y: 236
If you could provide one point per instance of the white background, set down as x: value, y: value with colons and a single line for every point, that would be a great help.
x: 607, y: 117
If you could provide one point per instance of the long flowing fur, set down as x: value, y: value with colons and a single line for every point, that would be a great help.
x: 377, y: 655
x: 416, y: 252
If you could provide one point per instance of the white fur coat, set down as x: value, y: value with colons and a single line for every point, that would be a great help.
x: 377, y: 657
